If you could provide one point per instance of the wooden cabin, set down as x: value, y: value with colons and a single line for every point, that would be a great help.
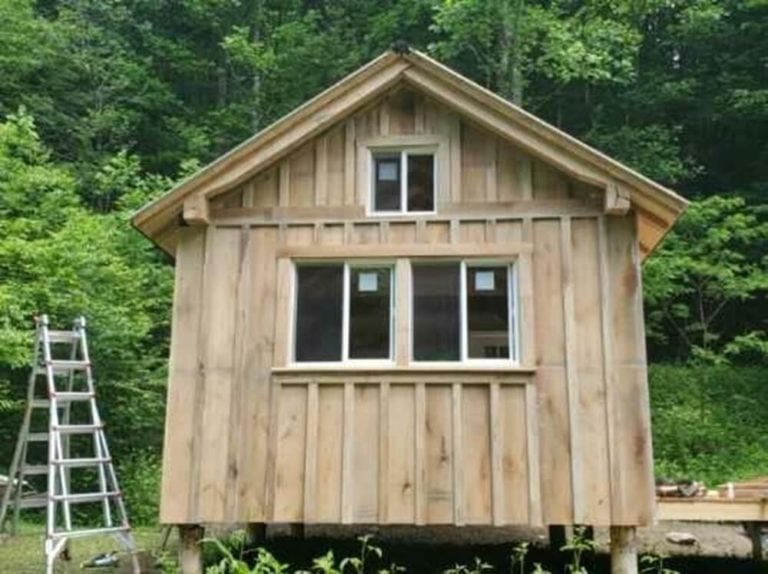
x: 409, y: 302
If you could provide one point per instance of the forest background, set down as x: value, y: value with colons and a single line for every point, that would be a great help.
x: 105, y: 103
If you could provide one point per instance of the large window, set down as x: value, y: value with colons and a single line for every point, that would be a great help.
x: 463, y: 311
x: 343, y: 312
x: 403, y: 181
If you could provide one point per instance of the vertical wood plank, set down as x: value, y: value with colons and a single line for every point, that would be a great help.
x: 291, y: 454
x: 321, y: 170
x: 384, y: 115
x: 455, y: 145
x: 439, y: 455
x: 184, y: 379
x: 310, y: 464
x: 418, y: 114
x: 219, y: 332
x: 302, y: 178
x: 497, y: 490
x: 402, y: 456
x: 571, y: 375
x: 402, y: 312
x: 348, y: 487
x: 513, y: 436
x: 330, y: 441
x: 458, y: 456
x: 420, y: 446
x: 550, y: 373
x: 350, y: 195
x: 491, y: 191
x: 282, y: 344
x: 535, y: 510
x: 477, y: 454
x: 527, y: 318
x: 335, y: 167
x: 284, y: 185
x: 384, y: 413
x: 365, y: 462
x: 588, y: 346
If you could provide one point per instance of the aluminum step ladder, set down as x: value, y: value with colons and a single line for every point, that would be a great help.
x: 62, y: 390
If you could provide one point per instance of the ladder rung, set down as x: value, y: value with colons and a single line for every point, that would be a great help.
x: 37, y: 437
x: 81, y: 462
x: 41, y: 403
x: 73, y: 396
x: 63, y: 336
x: 89, y: 532
x: 62, y: 366
x: 34, y: 469
x: 77, y: 429
x: 85, y: 497
x: 34, y: 501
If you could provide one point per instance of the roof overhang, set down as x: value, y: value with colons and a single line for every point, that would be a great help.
x: 656, y: 206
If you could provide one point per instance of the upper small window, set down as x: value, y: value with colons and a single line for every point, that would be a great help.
x: 403, y: 181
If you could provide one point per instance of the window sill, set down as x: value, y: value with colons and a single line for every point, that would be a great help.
x: 413, y: 369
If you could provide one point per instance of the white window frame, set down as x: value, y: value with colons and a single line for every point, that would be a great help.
x: 404, y: 152
x: 513, y: 318
x: 346, y: 291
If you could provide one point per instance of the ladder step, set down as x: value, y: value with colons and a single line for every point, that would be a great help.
x: 89, y: 532
x: 34, y: 469
x: 65, y: 367
x: 41, y: 403
x: 34, y: 501
x: 74, y: 396
x: 81, y: 462
x: 37, y: 437
x: 85, y: 497
x: 78, y: 429
x: 63, y: 336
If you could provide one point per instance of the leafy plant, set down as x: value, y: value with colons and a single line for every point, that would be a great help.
x: 357, y: 564
x: 654, y: 564
x: 478, y: 568
x: 578, y: 544
x: 517, y: 560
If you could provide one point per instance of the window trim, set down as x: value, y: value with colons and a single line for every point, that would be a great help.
x: 404, y: 151
x: 348, y: 265
x: 513, y: 314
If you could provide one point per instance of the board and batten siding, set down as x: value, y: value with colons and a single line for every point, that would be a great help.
x: 563, y: 439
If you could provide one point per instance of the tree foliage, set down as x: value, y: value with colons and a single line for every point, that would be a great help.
x: 104, y: 103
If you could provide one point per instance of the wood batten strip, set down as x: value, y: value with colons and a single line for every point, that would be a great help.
x: 284, y: 307
x: 419, y: 115
x: 402, y: 312
x: 348, y: 461
x: 532, y: 448
x: 509, y: 249
x: 349, y: 162
x: 571, y: 372
x: 270, y: 484
x: 384, y: 117
x: 420, y: 498
x: 310, y: 466
x: 525, y: 300
x: 609, y: 374
x: 284, y: 183
x: 458, y: 456
x: 491, y: 190
x: 383, y: 453
x: 497, y: 486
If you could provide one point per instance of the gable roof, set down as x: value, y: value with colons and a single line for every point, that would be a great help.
x: 657, y: 206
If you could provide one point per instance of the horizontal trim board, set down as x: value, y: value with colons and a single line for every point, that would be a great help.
x: 432, y: 250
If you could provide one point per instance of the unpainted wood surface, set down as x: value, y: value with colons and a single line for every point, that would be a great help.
x: 246, y: 443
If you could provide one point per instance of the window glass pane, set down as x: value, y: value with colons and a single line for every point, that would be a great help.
x: 436, y: 312
x: 369, y: 313
x: 386, y: 179
x: 318, y: 313
x: 487, y: 313
x: 421, y: 185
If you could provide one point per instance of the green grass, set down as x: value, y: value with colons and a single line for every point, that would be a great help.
x: 24, y: 553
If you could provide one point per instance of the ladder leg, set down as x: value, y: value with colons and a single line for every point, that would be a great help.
x: 18, y: 476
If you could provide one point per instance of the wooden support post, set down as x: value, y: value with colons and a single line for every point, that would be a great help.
x: 190, y: 551
x: 556, y: 537
x: 623, y: 550
x: 255, y: 534
x: 755, y: 532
